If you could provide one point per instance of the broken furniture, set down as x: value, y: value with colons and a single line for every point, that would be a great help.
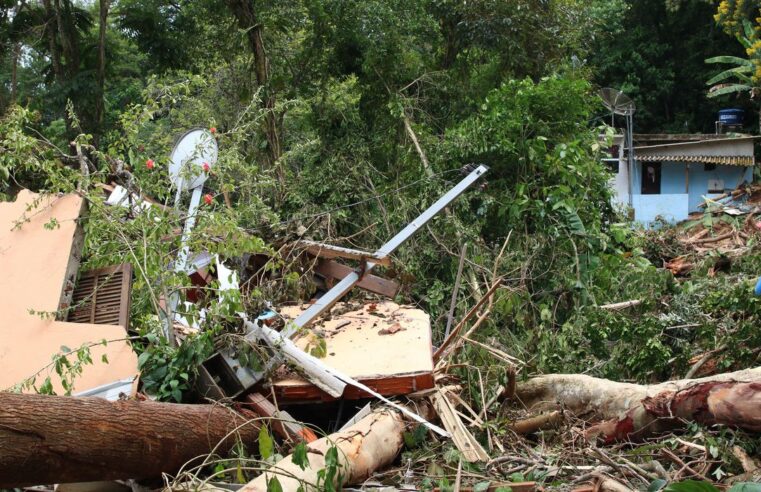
x: 40, y: 242
x: 383, y: 345
x: 227, y: 368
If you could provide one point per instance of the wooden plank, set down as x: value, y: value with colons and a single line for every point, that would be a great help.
x: 469, y: 447
x: 296, y: 391
x: 321, y: 250
x: 72, y: 266
x: 282, y: 423
x: 372, y: 283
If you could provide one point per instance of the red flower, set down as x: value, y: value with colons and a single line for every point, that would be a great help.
x: 149, y: 164
x: 213, y: 130
x: 206, y: 167
x: 208, y: 199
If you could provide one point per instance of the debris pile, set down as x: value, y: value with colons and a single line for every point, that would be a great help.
x: 342, y: 384
x: 729, y: 225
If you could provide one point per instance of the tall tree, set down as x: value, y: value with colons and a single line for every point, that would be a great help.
x: 247, y: 16
x: 100, y: 101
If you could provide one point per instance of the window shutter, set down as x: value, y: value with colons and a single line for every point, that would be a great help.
x: 102, y: 296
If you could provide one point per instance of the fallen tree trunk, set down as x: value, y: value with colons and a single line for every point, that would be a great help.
x: 363, y: 448
x: 59, y: 439
x: 631, y: 411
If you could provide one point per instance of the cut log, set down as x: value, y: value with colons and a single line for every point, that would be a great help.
x: 631, y: 411
x: 363, y: 448
x: 539, y: 422
x: 58, y: 439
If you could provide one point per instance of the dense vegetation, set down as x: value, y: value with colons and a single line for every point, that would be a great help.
x: 341, y: 120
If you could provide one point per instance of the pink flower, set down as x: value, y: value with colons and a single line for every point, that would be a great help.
x: 213, y: 130
x: 208, y: 199
x: 149, y: 164
x: 206, y: 167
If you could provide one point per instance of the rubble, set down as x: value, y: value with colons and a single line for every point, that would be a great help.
x: 314, y: 358
x: 41, y: 242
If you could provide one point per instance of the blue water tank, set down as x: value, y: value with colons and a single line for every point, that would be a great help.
x: 731, y: 116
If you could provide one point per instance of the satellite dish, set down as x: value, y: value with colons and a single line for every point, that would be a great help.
x: 192, y: 150
x: 617, y: 101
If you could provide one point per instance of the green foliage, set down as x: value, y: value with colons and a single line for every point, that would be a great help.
x: 328, y: 477
x: 266, y: 444
x: 25, y: 160
x: 168, y: 372
x: 697, y: 486
x: 299, y: 456
x: 658, y: 60
x: 273, y: 485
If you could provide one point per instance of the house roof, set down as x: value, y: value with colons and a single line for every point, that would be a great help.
x: 726, y: 160
x: 653, y: 138
x: 714, y: 142
x: 734, y: 151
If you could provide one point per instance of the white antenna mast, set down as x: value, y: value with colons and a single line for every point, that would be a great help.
x: 620, y: 104
x: 193, y: 156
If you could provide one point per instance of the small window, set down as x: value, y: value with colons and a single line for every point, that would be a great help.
x: 709, y: 167
x: 611, y: 164
x: 651, y: 178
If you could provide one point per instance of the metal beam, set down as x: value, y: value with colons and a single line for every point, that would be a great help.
x: 325, y: 302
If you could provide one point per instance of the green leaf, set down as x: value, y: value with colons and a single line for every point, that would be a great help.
x: 729, y: 59
x: 273, y: 485
x: 656, y: 485
x: 142, y: 359
x: 299, y: 456
x: 104, y: 359
x: 738, y: 72
x: 481, y: 486
x: 691, y: 486
x: 266, y: 445
x: 746, y: 487
x: 730, y: 89
x: 331, y: 457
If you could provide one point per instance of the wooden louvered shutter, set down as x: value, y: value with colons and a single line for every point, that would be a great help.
x: 102, y: 296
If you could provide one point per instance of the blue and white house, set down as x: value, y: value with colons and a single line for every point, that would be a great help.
x: 669, y: 180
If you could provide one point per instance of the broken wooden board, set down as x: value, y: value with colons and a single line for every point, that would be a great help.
x: 322, y: 250
x: 38, y: 260
x: 333, y: 271
x: 466, y: 443
x: 382, y: 345
x: 281, y: 422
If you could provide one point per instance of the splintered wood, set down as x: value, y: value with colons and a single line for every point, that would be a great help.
x: 383, y: 345
x: 466, y: 443
x: 38, y: 261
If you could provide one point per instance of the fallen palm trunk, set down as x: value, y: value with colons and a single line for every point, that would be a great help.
x: 632, y: 411
x: 363, y: 448
x: 59, y: 439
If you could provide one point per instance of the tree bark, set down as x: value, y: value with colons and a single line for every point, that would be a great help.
x: 57, y: 439
x: 363, y: 448
x: 50, y: 32
x: 631, y: 411
x: 100, y: 101
x: 245, y: 13
x: 15, y: 55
